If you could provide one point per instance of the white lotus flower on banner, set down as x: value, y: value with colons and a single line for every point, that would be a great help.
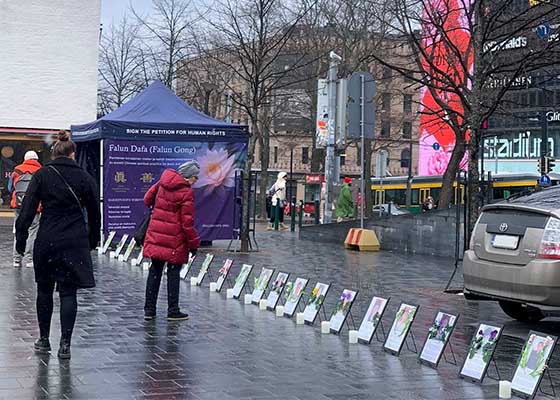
x: 216, y: 169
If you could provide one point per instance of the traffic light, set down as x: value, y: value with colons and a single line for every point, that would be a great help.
x: 549, y: 164
x: 541, y: 166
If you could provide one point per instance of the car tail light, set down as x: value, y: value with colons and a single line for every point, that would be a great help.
x: 471, y: 241
x: 550, y: 243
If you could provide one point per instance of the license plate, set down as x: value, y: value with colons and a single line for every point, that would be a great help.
x: 508, y: 242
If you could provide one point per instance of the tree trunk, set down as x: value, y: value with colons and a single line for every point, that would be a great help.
x: 447, y: 190
x: 246, y: 194
x: 474, y: 178
x: 264, y: 144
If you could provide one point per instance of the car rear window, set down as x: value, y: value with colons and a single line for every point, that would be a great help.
x: 546, y: 198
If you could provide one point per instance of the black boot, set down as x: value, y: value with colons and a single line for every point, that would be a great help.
x: 64, y: 350
x: 42, y: 345
x: 177, y: 316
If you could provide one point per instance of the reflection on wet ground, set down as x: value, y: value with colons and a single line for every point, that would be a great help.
x: 231, y: 351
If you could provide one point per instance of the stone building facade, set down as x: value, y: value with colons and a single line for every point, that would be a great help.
x: 292, y: 125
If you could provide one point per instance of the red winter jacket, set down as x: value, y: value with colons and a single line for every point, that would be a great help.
x: 171, y: 232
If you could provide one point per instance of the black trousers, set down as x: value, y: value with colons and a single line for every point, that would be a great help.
x: 280, y: 215
x: 154, y: 281
x: 68, y: 308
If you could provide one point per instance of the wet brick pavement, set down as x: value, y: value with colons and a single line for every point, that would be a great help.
x: 231, y: 351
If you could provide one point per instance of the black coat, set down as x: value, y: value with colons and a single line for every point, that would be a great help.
x: 62, y: 248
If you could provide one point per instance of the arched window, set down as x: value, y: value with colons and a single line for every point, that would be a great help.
x: 405, y: 158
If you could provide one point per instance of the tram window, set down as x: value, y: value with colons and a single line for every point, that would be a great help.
x: 397, y: 196
x: 435, y: 193
x: 415, y: 196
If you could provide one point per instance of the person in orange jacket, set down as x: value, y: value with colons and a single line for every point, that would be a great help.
x: 21, y: 177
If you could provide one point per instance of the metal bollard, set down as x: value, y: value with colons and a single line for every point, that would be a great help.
x: 317, y: 211
x: 293, y: 214
x: 276, y: 215
x: 300, y: 222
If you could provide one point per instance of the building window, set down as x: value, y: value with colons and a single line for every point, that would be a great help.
x: 343, y: 159
x: 305, y: 155
x: 275, y: 154
x: 407, y: 104
x: 407, y: 130
x: 386, y: 102
x: 387, y: 73
x: 386, y: 128
x: 405, y: 158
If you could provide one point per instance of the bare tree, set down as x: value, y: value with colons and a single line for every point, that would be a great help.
x: 166, y: 38
x: 119, y: 65
x: 463, y: 49
x: 249, y: 38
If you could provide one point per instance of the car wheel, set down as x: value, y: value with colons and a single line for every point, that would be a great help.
x: 521, y: 312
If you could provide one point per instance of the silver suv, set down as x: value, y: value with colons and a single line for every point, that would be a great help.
x: 514, y: 256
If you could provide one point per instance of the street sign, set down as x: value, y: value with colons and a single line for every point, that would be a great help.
x: 321, y: 128
x: 354, y: 111
x: 544, y: 180
x: 543, y: 30
x: 381, y: 163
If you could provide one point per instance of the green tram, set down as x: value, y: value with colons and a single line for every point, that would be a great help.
x: 393, y: 189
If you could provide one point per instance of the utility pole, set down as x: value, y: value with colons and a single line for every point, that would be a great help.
x: 329, y: 158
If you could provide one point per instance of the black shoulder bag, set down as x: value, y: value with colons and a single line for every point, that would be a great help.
x: 140, y: 234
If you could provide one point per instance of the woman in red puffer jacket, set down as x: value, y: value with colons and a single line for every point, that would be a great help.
x: 170, y: 236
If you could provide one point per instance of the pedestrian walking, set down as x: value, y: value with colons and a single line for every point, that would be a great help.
x: 344, y: 204
x: 428, y: 204
x: 278, y: 191
x: 18, y: 185
x: 171, y: 235
x: 66, y: 235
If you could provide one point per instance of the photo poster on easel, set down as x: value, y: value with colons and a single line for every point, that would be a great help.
x: 316, y: 300
x: 293, y: 296
x: 260, y: 284
x: 129, y: 250
x: 371, y: 320
x: 341, y: 310
x: 223, y: 273
x: 204, y: 269
x: 402, y: 323
x: 120, y: 246
x: 241, y: 280
x: 276, y: 289
x: 185, y: 269
x: 108, y: 242
x: 532, y: 363
x: 480, y: 352
x: 438, y: 337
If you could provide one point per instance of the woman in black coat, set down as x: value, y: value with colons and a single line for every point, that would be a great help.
x: 62, y: 249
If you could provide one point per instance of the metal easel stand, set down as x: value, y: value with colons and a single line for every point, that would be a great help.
x: 382, y: 331
x: 553, y: 394
x: 450, y: 347
x: 353, y: 323
x: 498, y: 377
x: 300, y: 305
x: 411, y: 336
x: 458, y: 258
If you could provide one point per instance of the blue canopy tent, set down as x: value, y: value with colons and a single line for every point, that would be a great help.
x: 129, y: 148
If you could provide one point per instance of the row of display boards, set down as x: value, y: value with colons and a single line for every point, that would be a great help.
x: 532, y: 363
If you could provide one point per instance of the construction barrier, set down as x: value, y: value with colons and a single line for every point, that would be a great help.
x: 361, y: 239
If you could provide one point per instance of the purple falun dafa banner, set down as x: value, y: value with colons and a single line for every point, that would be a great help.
x: 132, y: 167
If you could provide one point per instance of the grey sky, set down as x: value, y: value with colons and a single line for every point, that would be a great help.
x: 113, y: 10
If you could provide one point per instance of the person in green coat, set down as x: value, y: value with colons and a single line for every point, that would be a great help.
x: 344, y: 204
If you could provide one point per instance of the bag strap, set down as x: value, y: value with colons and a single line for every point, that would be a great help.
x: 68, y: 186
